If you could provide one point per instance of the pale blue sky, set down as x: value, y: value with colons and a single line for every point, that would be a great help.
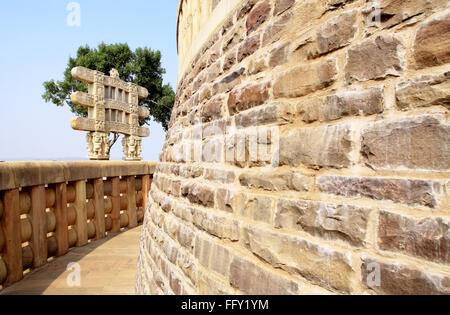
x: 36, y: 43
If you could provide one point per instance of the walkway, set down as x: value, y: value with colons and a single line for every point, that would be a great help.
x: 108, y: 267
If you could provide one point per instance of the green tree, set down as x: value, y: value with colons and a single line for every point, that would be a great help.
x: 142, y: 67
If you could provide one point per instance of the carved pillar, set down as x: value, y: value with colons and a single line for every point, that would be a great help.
x: 132, y: 148
x: 98, y: 141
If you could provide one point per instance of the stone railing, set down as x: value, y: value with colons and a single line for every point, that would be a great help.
x: 47, y: 208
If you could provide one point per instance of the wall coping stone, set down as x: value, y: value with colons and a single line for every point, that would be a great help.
x: 25, y: 174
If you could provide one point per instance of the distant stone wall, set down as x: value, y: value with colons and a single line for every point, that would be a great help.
x: 308, y: 152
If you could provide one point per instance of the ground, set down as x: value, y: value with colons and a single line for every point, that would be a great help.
x: 108, y: 267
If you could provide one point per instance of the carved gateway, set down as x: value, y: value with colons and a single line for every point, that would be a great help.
x: 113, y: 107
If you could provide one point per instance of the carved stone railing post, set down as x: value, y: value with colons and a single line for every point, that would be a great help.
x: 99, y: 206
x: 146, y: 185
x: 39, y: 223
x: 115, y: 213
x: 12, y: 228
x: 62, y: 237
x: 81, y: 210
x: 131, y: 196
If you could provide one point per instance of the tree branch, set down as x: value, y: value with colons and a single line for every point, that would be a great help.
x: 113, y: 142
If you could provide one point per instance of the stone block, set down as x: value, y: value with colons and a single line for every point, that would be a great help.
x: 406, y: 191
x: 419, y: 142
x: 218, y: 225
x: 305, y: 79
x: 248, y: 47
x: 251, y: 279
x: 402, y: 279
x: 316, y: 147
x: 432, y: 43
x: 258, y: 16
x: 348, y: 103
x: 248, y: 96
x: 301, y: 257
x: 424, y: 91
x: 375, y: 59
x: 427, y: 238
x: 330, y: 221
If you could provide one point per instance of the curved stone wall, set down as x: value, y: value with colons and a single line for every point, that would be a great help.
x: 307, y: 151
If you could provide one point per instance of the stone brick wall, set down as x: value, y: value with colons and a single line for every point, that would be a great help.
x: 308, y: 153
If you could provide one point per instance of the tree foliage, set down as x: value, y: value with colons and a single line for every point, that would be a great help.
x: 142, y: 66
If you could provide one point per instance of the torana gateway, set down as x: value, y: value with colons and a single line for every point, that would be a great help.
x: 113, y: 106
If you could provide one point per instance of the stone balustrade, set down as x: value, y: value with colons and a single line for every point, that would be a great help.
x: 47, y: 208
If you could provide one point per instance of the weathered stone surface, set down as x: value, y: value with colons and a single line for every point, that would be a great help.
x: 316, y: 147
x: 282, y: 5
x: 218, y: 225
x: 220, y: 176
x: 249, y: 96
x: 226, y: 200
x: 255, y: 280
x: 391, y: 12
x: 410, y: 192
x: 349, y: 103
x: 249, y: 47
x: 209, y: 285
x: 198, y: 82
x: 7, y: 180
x: 228, y: 82
x: 214, y: 53
x: 191, y: 171
x: 298, y: 256
x: 280, y: 113
x: 275, y: 30
x: 236, y: 36
x: 432, y: 43
x: 305, y: 79
x: 198, y: 194
x: 204, y: 94
x: 279, y: 55
x: 213, y: 71
x: 245, y: 9
x: 424, y: 91
x: 401, y: 279
x: 336, y: 4
x: 336, y: 33
x: 212, y: 255
x: 256, y: 207
x: 275, y: 180
x: 230, y: 60
x: 170, y: 250
x: 227, y: 25
x: 375, y: 59
x: 257, y: 65
x: 413, y: 143
x: 330, y: 221
x: 258, y: 16
x: 215, y: 128
x: 212, y: 110
x: 427, y: 238
x: 185, y: 236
